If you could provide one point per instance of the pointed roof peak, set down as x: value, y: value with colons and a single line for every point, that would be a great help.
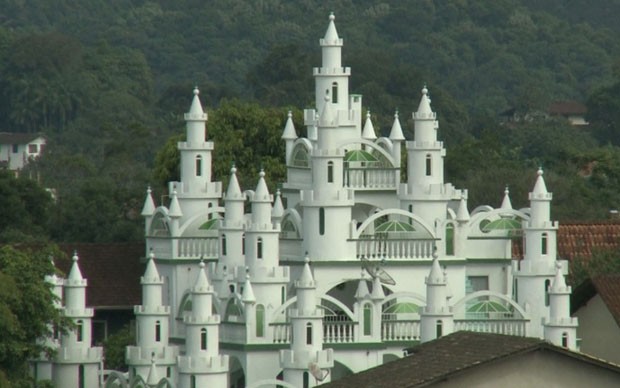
x: 362, y: 288
x: 306, y: 279
x: 369, y: 130
x: 539, y: 187
x: 289, y: 132
x: 196, y: 108
x: 75, y: 273
x: 175, y: 208
x: 262, y: 192
x: 326, y: 119
x: 506, y: 204
x: 202, y: 283
x: 331, y: 35
x: 234, y: 190
x: 151, y: 273
x: 436, y: 275
x: 397, y: 131
x: 248, y: 292
x: 278, y: 207
x: 424, y: 109
x: 559, y: 283
x: 153, y: 378
x: 377, y: 289
x: 462, y: 214
x: 149, y: 205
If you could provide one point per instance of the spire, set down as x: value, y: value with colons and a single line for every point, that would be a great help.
x: 196, y: 107
x: 289, y: 132
x: 369, y: 130
x: 278, y: 208
x: 506, y: 204
x: 397, y: 132
x: 540, y: 189
x: 436, y: 276
x: 175, y: 208
x: 234, y: 191
x: 462, y: 214
x: 424, y: 109
x: 153, y: 379
x: 202, y: 284
x: 75, y: 273
x: 377, y: 289
x: 262, y: 192
x: 331, y: 35
x: 248, y: 292
x: 559, y: 283
x: 362, y: 288
x: 326, y: 119
x: 149, y: 205
x: 151, y: 273
x: 306, y: 280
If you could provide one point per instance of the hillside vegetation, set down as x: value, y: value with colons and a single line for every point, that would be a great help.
x: 108, y: 82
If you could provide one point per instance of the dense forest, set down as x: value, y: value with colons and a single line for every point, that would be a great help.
x: 108, y: 82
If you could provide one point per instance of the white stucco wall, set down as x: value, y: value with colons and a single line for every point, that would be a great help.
x: 599, y: 332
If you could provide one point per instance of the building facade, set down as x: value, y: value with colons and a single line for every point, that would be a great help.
x: 355, y: 258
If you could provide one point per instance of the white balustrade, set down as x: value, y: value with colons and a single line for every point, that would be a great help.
x: 400, y: 331
x: 497, y: 326
x: 395, y: 249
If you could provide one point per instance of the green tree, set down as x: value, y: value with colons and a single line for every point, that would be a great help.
x: 27, y: 312
x: 114, y: 348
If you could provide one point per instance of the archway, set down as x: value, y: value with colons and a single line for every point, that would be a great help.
x: 340, y: 370
x: 237, y: 374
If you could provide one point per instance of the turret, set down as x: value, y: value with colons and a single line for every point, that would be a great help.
x: 397, y: 138
x: 306, y: 356
x: 148, y: 210
x: 77, y: 363
x: 506, y: 204
x: 368, y: 132
x: 202, y: 365
x: 436, y: 318
x: 560, y: 327
x: 152, y: 330
x: 537, y: 269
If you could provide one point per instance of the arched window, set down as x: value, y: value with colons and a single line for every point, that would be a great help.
x: 260, y: 320
x: 450, y: 239
x: 367, y: 319
x: 439, y: 328
x: 543, y: 244
x: 79, y: 331
x: 565, y: 339
x: 157, y: 331
x: 335, y: 92
x: 330, y: 172
x: 203, y: 339
x: 547, y: 285
x: 199, y: 165
x: 321, y: 221
x: 308, y: 333
x: 428, y: 165
x: 223, y: 244
x: 192, y: 381
x: 259, y: 248
x: 306, y: 378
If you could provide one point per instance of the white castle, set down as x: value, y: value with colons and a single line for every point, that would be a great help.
x: 344, y: 268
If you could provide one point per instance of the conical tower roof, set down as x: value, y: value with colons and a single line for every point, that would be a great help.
x: 377, y: 289
x: 331, y: 35
x: 175, y: 208
x: 75, y: 274
x: 540, y: 189
x: 424, y: 109
x: 369, y: 130
x: 436, y: 275
x: 262, y: 192
x: 396, y: 134
x: 462, y: 214
x: 248, y: 291
x: 278, y: 208
x: 149, y: 205
x: 202, y: 283
x: 362, y: 288
x: 289, y: 132
x: 506, y: 204
x: 151, y: 274
x: 326, y: 119
x: 234, y: 190
x: 306, y: 280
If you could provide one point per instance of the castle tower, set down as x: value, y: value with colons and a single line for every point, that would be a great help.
x: 560, y: 328
x: 306, y: 364
x: 436, y: 318
x: 536, y: 271
x: 262, y: 255
x: 202, y: 365
x: 77, y: 363
x: 152, y: 329
x: 232, y: 239
x: 425, y: 193
x: 289, y: 135
x: 196, y: 190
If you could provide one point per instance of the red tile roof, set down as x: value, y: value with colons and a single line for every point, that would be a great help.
x: 608, y: 287
x: 581, y: 239
x: 565, y: 108
x: 113, y: 272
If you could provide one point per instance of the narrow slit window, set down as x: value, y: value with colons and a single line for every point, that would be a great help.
x: 224, y: 244
x: 439, y: 327
x: 308, y: 333
x: 157, y: 331
x: 80, y: 331
x: 330, y: 172
x: 198, y: 165
x: 321, y: 221
x: 428, y: 165
x: 203, y: 339
x: 544, y: 243
x: 259, y: 248
x: 335, y: 92
x: 547, y: 285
